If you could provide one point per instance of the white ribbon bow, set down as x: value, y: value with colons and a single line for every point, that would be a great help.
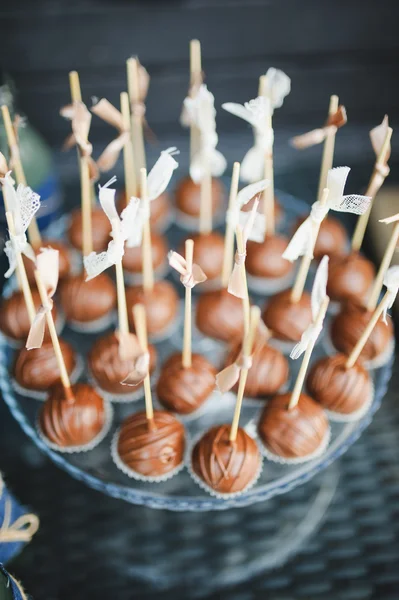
x: 157, y: 182
x: 391, y: 282
x: 278, y: 86
x: 201, y: 113
x: 319, y: 293
x: 304, y: 239
x: 23, y: 203
x: 256, y: 113
x: 121, y: 229
x: 235, y: 216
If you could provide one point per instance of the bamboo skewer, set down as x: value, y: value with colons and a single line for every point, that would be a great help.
x: 140, y: 326
x: 187, y: 354
x: 195, y: 82
x: 268, y: 193
x: 328, y: 149
x: 386, y: 261
x: 133, y: 84
x: 296, y: 392
x: 123, y: 320
x: 128, y: 155
x: 228, y: 256
x: 247, y: 349
x: 245, y: 301
x: 33, y: 229
x: 148, y: 269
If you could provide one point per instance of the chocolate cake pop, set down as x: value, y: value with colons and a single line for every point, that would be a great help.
x: 332, y: 239
x: 208, y: 253
x: 14, y: 318
x: 188, y: 198
x: 265, y: 261
x: 184, y: 389
x: 37, y: 370
x: 101, y: 229
x: 298, y: 433
x: 76, y: 422
x: 220, y: 315
x: 225, y: 466
x: 133, y: 258
x: 64, y: 258
x: 161, y: 304
x: 109, y: 370
x: 150, y: 448
x: 342, y: 390
x: 350, y: 276
x: 88, y: 305
x: 287, y: 319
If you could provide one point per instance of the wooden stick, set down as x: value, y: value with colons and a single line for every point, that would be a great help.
x: 354, y: 355
x: 245, y: 302
x: 189, y: 247
x: 148, y: 268
x: 299, y: 285
x: 361, y: 225
x: 54, y: 337
x: 247, y: 348
x: 386, y: 261
x: 205, y: 224
x: 128, y: 156
x: 123, y: 321
x: 21, y: 272
x: 140, y: 326
x: 268, y: 193
x: 296, y: 392
x: 133, y: 86
x: 228, y: 255
x: 74, y: 86
x: 195, y: 80
x: 33, y: 229
x: 328, y: 150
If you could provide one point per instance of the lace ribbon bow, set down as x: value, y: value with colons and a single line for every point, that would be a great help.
x: 121, y: 229
x: 111, y: 115
x: 202, y: 113
x: 23, y: 203
x: 236, y: 285
x: 319, y: 293
x: 189, y: 278
x: 131, y: 350
x: 303, y: 240
x: 236, y: 216
x: 391, y: 282
x: 47, y: 264
x: 80, y: 118
x: 317, y: 136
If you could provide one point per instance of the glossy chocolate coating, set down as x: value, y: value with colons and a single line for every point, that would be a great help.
x: 107, y: 367
x: 266, y: 260
x: 14, y: 318
x: 133, y: 258
x: 268, y: 373
x: 337, y: 388
x: 226, y: 467
x: 63, y: 257
x: 160, y: 208
x: 288, y: 320
x: 292, y: 433
x: 85, y: 301
x: 348, y: 326
x: 151, y: 448
x: 208, y: 253
x: 220, y: 315
x: 37, y: 369
x: 72, y: 423
x: 188, y: 196
x: 185, y: 390
x: 101, y: 229
x: 331, y: 240
x: 161, y: 304
x: 349, y: 276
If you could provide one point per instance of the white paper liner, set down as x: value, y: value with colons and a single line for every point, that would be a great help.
x: 269, y: 285
x: 372, y: 364
x: 337, y: 417
x: 95, y: 326
x: 133, y: 395
x: 136, y: 278
x: 42, y: 395
x: 138, y: 476
x: 298, y: 459
x: 86, y: 447
x: 190, y: 223
x: 209, y: 489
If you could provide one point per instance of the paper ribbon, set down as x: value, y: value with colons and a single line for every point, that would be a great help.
x: 256, y: 113
x: 138, y: 106
x: 202, y: 113
x: 157, y: 182
x: 278, y: 86
x: 23, y: 203
x: 381, y: 169
x: 47, y: 265
x: 121, y: 229
x: 80, y: 118
x: 304, y: 239
x: 317, y: 136
x: 391, y: 219
x: 111, y: 115
x: 318, y: 295
x: 185, y: 116
x: 228, y: 377
x: 391, y: 282
x: 235, y: 216
x: 131, y: 350
x: 189, y: 278
x: 236, y: 286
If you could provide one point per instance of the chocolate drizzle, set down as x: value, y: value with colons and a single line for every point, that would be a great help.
x: 220, y: 315
x: 288, y: 320
x: 133, y: 258
x: 226, y: 467
x: 85, y: 301
x: 188, y: 196
x: 266, y: 260
x: 349, y: 277
x: 161, y: 305
x: 38, y: 369
x: 151, y: 448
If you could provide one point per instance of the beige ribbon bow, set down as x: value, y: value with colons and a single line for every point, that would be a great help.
x: 381, y: 169
x: 317, y: 136
x: 111, y: 115
x: 80, y: 118
x: 236, y: 285
x: 189, y: 278
x: 47, y: 264
x: 131, y: 350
